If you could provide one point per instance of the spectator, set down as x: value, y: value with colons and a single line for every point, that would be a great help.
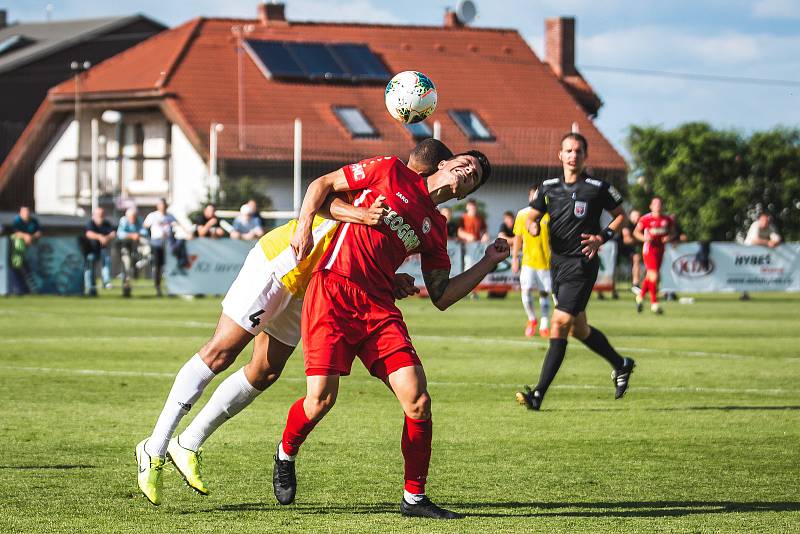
x: 129, y: 233
x: 452, y: 226
x: 245, y: 226
x: 507, y: 228
x: 207, y: 223
x: 99, y: 234
x: 761, y: 233
x: 473, y: 225
x: 25, y: 231
x: 635, y: 249
x: 160, y: 224
x: 256, y: 213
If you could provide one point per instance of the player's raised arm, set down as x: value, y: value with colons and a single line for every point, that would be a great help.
x: 445, y: 291
x: 538, y: 209
x: 317, y: 192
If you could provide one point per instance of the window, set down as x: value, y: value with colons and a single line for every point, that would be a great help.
x: 471, y: 125
x: 12, y: 43
x: 419, y: 131
x: 340, y: 62
x: 355, y: 122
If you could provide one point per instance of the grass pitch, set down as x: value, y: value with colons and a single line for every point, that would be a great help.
x: 707, y: 439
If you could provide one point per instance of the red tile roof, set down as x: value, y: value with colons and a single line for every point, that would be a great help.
x: 493, y: 72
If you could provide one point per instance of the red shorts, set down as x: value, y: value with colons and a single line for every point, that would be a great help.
x: 652, y: 256
x: 341, y: 321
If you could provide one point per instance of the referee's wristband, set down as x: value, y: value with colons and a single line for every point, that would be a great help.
x: 607, y: 234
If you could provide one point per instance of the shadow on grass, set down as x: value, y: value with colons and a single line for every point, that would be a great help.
x: 56, y: 467
x: 683, y: 409
x: 536, y: 509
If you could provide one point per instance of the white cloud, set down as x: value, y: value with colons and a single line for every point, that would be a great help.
x: 777, y: 9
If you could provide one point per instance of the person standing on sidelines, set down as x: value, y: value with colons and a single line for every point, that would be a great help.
x: 654, y: 230
x: 129, y: 232
x: 160, y: 224
x: 575, y: 202
x: 534, y: 274
x: 99, y: 235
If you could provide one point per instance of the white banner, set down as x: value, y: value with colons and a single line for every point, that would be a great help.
x: 213, y: 266
x: 731, y: 267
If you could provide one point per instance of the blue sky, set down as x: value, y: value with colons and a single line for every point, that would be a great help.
x: 739, y: 38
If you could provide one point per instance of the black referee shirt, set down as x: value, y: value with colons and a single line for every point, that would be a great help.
x: 574, y: 209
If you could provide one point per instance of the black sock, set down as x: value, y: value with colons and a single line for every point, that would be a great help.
x: 552, y: 362
x: 598, y: 342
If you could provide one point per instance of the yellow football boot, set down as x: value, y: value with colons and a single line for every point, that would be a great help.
x: 150, y: 470
x: 187, y: 462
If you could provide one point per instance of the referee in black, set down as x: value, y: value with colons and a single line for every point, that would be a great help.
x: 575, y: 203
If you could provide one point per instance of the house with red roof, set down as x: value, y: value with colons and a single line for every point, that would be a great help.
x: 221, y: 97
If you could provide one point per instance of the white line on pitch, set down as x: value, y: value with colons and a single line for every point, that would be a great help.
x: 685, y: 389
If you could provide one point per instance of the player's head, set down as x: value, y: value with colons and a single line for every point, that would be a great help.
x: 508, y: 218
x: 634, y: 216
x: 459, y: 176
x: 656, y: 205
x: 573, y: 152
x: 426, y: 156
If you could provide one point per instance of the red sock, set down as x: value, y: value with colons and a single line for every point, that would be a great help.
x: 297, y: 429
x: 416, y: 446
x: 653, y: 291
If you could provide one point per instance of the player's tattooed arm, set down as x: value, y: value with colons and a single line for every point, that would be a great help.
x: 445, y: 291
x: 436, y: 282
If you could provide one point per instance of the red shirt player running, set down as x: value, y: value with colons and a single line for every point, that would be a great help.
x: 655, y: 230
x: 349, y: 310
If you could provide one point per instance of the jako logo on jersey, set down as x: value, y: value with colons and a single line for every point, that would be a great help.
x: 688, y: 266
x: 426, y: 225
x: 580, y: 209
x: 402, y: 229
x: 401, y: 197
x: 358, y: 172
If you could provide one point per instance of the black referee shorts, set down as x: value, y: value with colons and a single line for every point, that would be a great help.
x: 573, y: 281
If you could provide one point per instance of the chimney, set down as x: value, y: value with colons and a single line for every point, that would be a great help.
x: 559, y: 45
x: 3, y: 18
x: 451, y: 19
x: 274, y: 12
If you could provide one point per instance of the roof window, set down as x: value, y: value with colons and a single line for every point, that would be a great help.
x: 354, y: 120
x: 472, y: 126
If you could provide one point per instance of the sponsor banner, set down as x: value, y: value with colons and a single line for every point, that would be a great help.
x: 54, y: 265
x: 213, y: 266
x: 4, y: 266
x: 731, y: 267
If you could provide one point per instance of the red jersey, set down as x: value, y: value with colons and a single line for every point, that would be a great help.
x: 370, y: 255
x: 657, y: 227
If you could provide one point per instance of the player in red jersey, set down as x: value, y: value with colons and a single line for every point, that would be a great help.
x: 655, y: 230
x: 349, y: 310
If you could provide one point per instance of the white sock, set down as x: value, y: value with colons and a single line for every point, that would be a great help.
x: 412, y: 498
x: 189, y: 384
x: 527, y: 303
x: 282, y: 456
x: 544, y: 305
x: 231, y: 397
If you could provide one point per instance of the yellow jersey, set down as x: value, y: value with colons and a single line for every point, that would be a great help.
x: 276, y: 247
x: 535, y: 250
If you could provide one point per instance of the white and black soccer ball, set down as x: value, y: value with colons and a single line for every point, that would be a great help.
x: 410, y: 97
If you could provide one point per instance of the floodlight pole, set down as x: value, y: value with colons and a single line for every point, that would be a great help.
x: 298, y: 157
x: 95, y: 188
x: 239, y: 32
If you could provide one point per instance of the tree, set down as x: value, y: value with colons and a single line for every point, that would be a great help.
x: 716, y: 180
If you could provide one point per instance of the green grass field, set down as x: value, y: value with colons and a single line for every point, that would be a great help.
x: 707, y: 439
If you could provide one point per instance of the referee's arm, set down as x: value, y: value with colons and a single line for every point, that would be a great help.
x: 532, y: 222
x: 592, y: 242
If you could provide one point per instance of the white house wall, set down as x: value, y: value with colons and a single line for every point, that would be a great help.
x: 189, y: 175
x: 54, y: 183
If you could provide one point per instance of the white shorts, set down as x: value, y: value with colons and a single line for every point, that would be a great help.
x: 257, y: 300
x: 539, y: 279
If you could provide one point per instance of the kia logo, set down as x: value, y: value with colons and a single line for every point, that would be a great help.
x: 688, y: 266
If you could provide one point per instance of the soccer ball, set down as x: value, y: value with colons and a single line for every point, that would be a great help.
x: 410, y: 97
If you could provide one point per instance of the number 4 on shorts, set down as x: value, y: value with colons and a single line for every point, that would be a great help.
x: 254, y: 318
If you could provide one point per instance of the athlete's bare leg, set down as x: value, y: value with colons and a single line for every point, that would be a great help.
x: 225, y: 345
x: 268, y: 360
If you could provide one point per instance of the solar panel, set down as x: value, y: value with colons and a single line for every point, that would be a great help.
x: 317, y: 61
x: 360, y: 61
x: 273, y: 58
